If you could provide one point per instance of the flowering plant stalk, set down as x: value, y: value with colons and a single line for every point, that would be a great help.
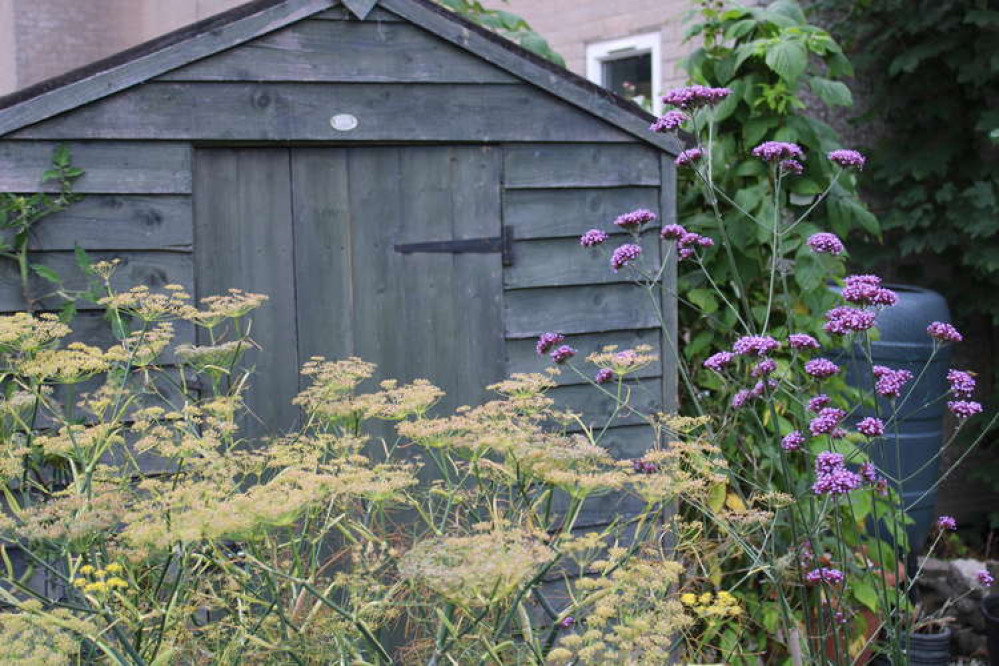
x: 822, y: 572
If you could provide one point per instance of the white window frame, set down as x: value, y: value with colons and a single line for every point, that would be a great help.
x: 600, y: 52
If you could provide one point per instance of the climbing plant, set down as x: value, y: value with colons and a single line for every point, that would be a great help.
x: 504, y: 23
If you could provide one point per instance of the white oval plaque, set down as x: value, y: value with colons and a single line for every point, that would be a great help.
x: 343, y: 122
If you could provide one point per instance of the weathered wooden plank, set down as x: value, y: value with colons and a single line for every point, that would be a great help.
x: 119, y: 167
x: 671, y: 342
x: 592, y: 309
x: 596, y: 406
x: 341, y: 13
x: 564, y: 213
x: 360, y: 8
x: 244, y: 240
x: 93, y: 329
x: 153, y: 269
x: 580, y: 166
x: 573, y: 90
x: 323, y: 271
x: 297, y: 111
x: 344, y: 51
x: 523, y: 357
x: 149, y: 65
x: 119, y: 222
x: 562, y: 262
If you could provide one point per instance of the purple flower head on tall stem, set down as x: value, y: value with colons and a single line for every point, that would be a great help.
x: 802, y: 341
x: 871, y: 427
x: 818, y: 402
x: 741, y: 398
x: 775, y: 151
x: 825, y: 243
x: 593, y: 237
x: 792, y: 441
x: 870, y: 473
x: 826, y: 421
x: 824, y: 575
x: 669, y: 121
x: 847, y: 158
x: 764, y: 368
x: 563, y: 354
x: 635, y: 219
x: 944, y: 332
x: 985, y: 578
x: 889, y: 383
x: 566, y: 622
x: 964, y: 409
x: 692, y: 97
x: 624, y: 255
x: 755, y: 345
x: 689, y: 157
x: 962, y: 384
x: 672, y: 232
x: 947, y: 523
x: 821, y: 368
x: 604, y: 375
x: 791, y: 167
x: 718, y: 361
x: 844, y: 320
x: 839, y: 482
x: 547, y: 341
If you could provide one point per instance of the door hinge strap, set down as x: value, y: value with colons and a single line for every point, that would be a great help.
x: 502, y: 244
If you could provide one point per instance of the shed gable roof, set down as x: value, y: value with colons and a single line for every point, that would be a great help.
x: 260, y: 17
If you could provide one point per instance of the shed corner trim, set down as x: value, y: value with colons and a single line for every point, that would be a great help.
x: 360, y: 8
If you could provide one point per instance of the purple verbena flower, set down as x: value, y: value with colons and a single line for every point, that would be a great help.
x: 775, y: 151
x: 890, y: 382
x: 755, y: 345
x: 760, y: 387
x: 566, y: 622
x: 985, y: 578
x: 802, y: 341
x: 793, y: 167
x: 825, y: 243
x: 821, y: 368
x: 792, y: 441
x: 962, y: 384
x: 818, y: 402
x: 824, y: 575
x: 718, y: 361
x: 826, y: 421
x: 741, y: 398
x: 547, y: 341
x: 828, y: 462
x: 562, y: 354
x: 947, y: 523
x: 764, y: 368
x: 944, y: 332
x: 871, y: 427
x: 644, y: 466
x: 635, y: 219
x: 689, y: 157
x: 624, y: 255
x: 847, y: 158
x: 668, y: 122
x: 672, y: 232
x: 844, y: 320
x: 604, y: 375
x: 593, y: 237
x: 839, y: 482
x: 870, y: 473
x: 964, y: 409
x: 692, y: 97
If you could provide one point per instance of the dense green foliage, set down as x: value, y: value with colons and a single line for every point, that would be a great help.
x: 504, y: 23
x: 934, y: 70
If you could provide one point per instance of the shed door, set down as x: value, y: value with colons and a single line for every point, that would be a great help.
x: 316, y: 229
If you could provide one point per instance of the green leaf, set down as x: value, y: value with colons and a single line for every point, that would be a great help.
x: 82, y: 260
x: 865, y: 593
x: 754, y: 129
x: 739, y: 29
x: 704, y: 299
x: 787, y: 59
x: 46, y: 273
x: 808, y: 270
x: 833, y: 93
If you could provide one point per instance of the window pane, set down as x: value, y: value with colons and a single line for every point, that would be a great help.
x: 630, y: 76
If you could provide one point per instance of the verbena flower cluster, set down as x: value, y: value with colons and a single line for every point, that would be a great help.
x: 692, y: 97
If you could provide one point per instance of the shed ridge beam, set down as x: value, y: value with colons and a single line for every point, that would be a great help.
x: 360, y: 8
x: 143, y: 68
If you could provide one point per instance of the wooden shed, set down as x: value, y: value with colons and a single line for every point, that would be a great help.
x: 405, y: 186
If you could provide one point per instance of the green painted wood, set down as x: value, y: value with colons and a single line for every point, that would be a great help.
x: 341, y: 13
x: 550, y: 166
x: 589, y: 309
x: 141, y: 69
x: 243, y: 240
x: 563, y: 262
x: 523, y: 357
x: 565, y: 213
x: 296, y: 111
x: 112, y: 167
x: 119, y: 222
x: 576, y: 91
x: 154, y: 269
x: 324, y: 279
x: 344, y: 51
x: 671, y: 340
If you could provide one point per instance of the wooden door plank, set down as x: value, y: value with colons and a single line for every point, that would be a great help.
x: 523, y: 357
x: 569, y: 213
x: 581, y: 166
x: 590, y: 309
x: 243, y: 240
x: 562, y: 262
